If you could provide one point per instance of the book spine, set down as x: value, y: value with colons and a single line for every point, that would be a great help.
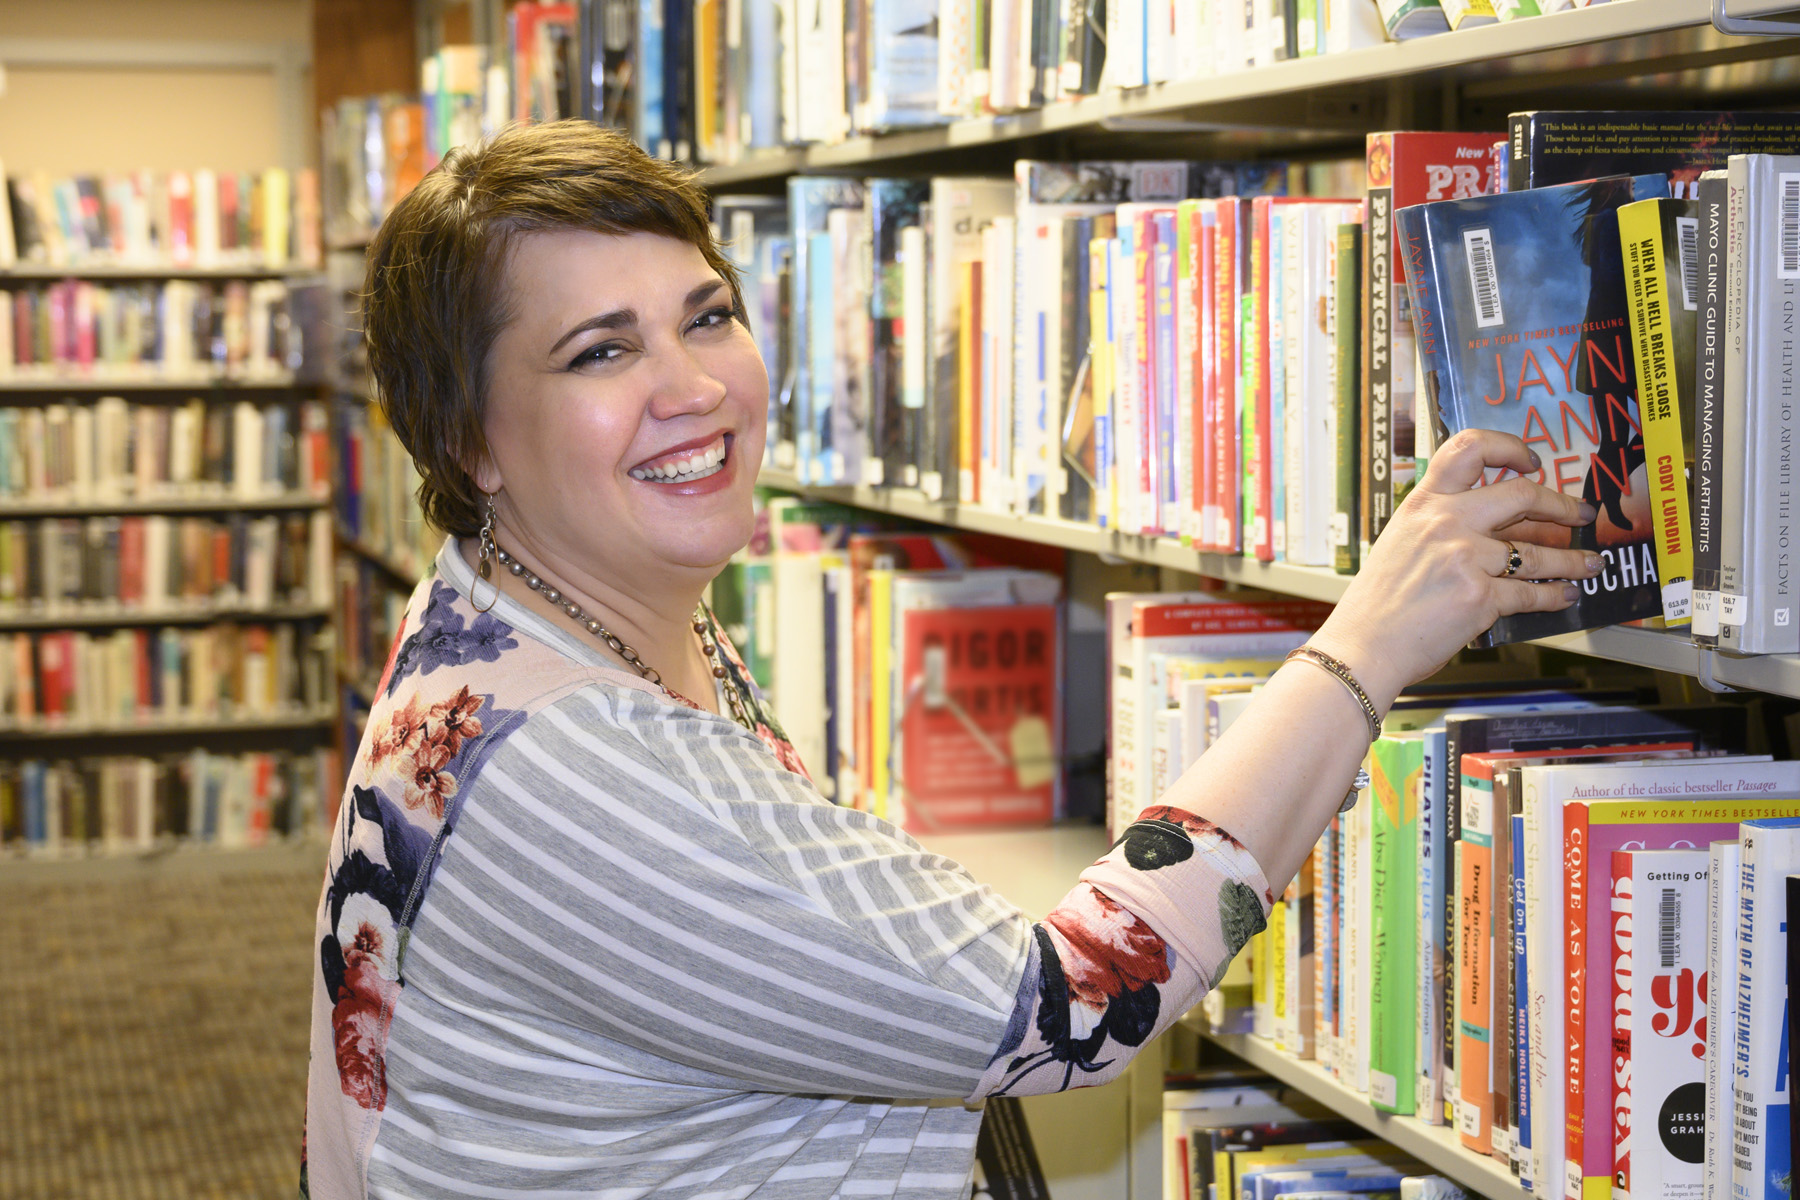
x: 1396, y: 766
x: 1647, y: 299
x: 1761, y: 1159
x: 1620, y: 945
x: 1575, y: 996
x: 1347, y: 373
x: 1772, y: 223
x: 1521, y: 1035
x: 1428, y: 1093
x: 1708, y: 407
x: 1378, y: 342
x: 1724, y: 874
x: 1168, y: 393
x: 1278, y: 341
x: 1325, y: 946
x: 1474, y: 965
x: 1228, y: 378
x: 1259, y: 485
x: 1735, y: 490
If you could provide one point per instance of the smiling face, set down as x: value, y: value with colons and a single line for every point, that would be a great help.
x: 625, y: 412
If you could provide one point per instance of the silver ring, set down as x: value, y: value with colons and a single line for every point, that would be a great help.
x: 1514, y: 560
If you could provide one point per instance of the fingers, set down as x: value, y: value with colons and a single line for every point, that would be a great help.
x: 1542, y: 533
x: 1461, y: 461
x: 1520, y: 595
x: 1545, y: 562
x: 1514, y: 500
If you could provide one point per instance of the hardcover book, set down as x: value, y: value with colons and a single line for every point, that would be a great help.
x: 1552, y: 147
x: 1520, y: 306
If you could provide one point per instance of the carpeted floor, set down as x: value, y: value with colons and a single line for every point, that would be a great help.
x: 153, y: 1025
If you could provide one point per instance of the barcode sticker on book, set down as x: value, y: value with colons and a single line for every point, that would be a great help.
x: 1484, y: 280
x: 1687, y: 235
x: 1788, y: 190
x: 1668, y: 924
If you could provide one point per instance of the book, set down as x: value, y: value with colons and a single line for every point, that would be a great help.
x: 1551, y: 147
x: 1660, y: 242
x: 1708, y: 405
x: 1657, y: 916
x: 1348, y: 379
x: 961, y: 208
x: 1762, y: 1160
x: 1499, y: 279
x: 1396, y: 764
x: 1756, y: 590
x: 1403, y: 168
x: 1724, y: 871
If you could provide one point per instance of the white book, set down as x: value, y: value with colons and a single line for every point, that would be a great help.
x: 997, y: 331
x: 961, y: 210
x: 156, y: 562
x: 113, y: 473
x: 246, y: 450
x: 206, y: 217
x: 1126, y: 296
x: 1725, y: 869
x: 1659, y: 993
x: 1008, y: 23
x: 82, y: 466
x: 1761, y: 1163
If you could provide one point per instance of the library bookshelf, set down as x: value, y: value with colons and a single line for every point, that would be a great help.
x: 96, y: 514
x: 1631, y: 54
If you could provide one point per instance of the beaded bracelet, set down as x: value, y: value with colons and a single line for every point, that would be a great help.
x: 1342, y: 673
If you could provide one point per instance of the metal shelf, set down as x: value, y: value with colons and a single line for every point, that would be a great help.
x: 1333, y: 92
x: 32, y: 380
x: 40, y: 728
x: 1672, y: 652
x: 51, y: 507
x: 94, y: 616
x: 1434, y: 1145
x: 146, y: 270
x: 1312, y: 583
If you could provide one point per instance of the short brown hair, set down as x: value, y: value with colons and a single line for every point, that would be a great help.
x: 434, y: 299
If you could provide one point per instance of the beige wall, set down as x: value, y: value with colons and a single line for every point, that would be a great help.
x: 84, y: 115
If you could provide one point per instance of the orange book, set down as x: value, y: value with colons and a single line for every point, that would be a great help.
x: 968, y: 382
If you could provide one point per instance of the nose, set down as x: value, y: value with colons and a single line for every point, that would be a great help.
x: 686, y: 386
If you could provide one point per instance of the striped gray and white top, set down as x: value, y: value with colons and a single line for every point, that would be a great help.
x: 652, y: 961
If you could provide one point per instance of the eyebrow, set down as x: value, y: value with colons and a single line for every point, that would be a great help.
x: 625, y: 318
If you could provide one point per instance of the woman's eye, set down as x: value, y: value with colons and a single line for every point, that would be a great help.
x: 713, y: 318
x: 605, y: 352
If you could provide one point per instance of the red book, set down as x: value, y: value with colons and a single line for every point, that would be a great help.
x: 131, y: 561
x: 228, y: 210
x: 1402, y: 168
x: 181, y: 219
x: 1229, y: 258
x: 977, y: 711
x: 221, y: 556
x: 24, y: 343
x: 85, y: 322
x: 60, y: 298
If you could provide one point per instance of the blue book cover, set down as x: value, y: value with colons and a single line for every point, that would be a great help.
x: 1521, y: 1008
x: 1162, y: 266
x: 1519, y: 310
x: 648, y: 128
x: 798, y: 434
x: 903, y: 65
x: 762, y: 56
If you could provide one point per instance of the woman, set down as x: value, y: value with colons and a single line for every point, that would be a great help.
x: 587, y: 928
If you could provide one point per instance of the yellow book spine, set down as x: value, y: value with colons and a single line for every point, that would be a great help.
x: 1652, y: 337
x: 881, y: 670
x: 275, y: 192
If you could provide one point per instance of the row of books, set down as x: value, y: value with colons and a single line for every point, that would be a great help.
x: 116, y: 679
x: 1462, y: 946
x: 1199, y: 368
x: 716, y: 81
x: 934, y: 697
x: 377, y: 493
x: 374, y: 148
x: 239, y: 329
x: 123, y: 805
x: 112, y: 450
x: 162, y: 219
x: 368, y: 613
x: 1235, y: 1132
x: 157, y: 565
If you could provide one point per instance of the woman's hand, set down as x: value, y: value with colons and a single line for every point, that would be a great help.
x: 1437, y: 577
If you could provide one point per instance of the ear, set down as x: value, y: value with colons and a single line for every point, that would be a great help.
x: 486, y: 473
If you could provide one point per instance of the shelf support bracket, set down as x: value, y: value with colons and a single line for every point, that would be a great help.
x: 1708, y: 656
x: 1725, y: 23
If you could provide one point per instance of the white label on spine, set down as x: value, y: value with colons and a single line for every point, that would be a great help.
x: 1484, y: 279
x: 1788, y: 192
x: 1340, y: 529
x: 1731, y: 609
x: 1687, y: 237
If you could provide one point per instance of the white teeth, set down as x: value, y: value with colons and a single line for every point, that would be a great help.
x: 686, y: 470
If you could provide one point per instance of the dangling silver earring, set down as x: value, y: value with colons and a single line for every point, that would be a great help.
x: 485, y: 567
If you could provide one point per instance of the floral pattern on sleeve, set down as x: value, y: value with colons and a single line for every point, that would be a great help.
x: 400, y: 806
x: 1103, y: 980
